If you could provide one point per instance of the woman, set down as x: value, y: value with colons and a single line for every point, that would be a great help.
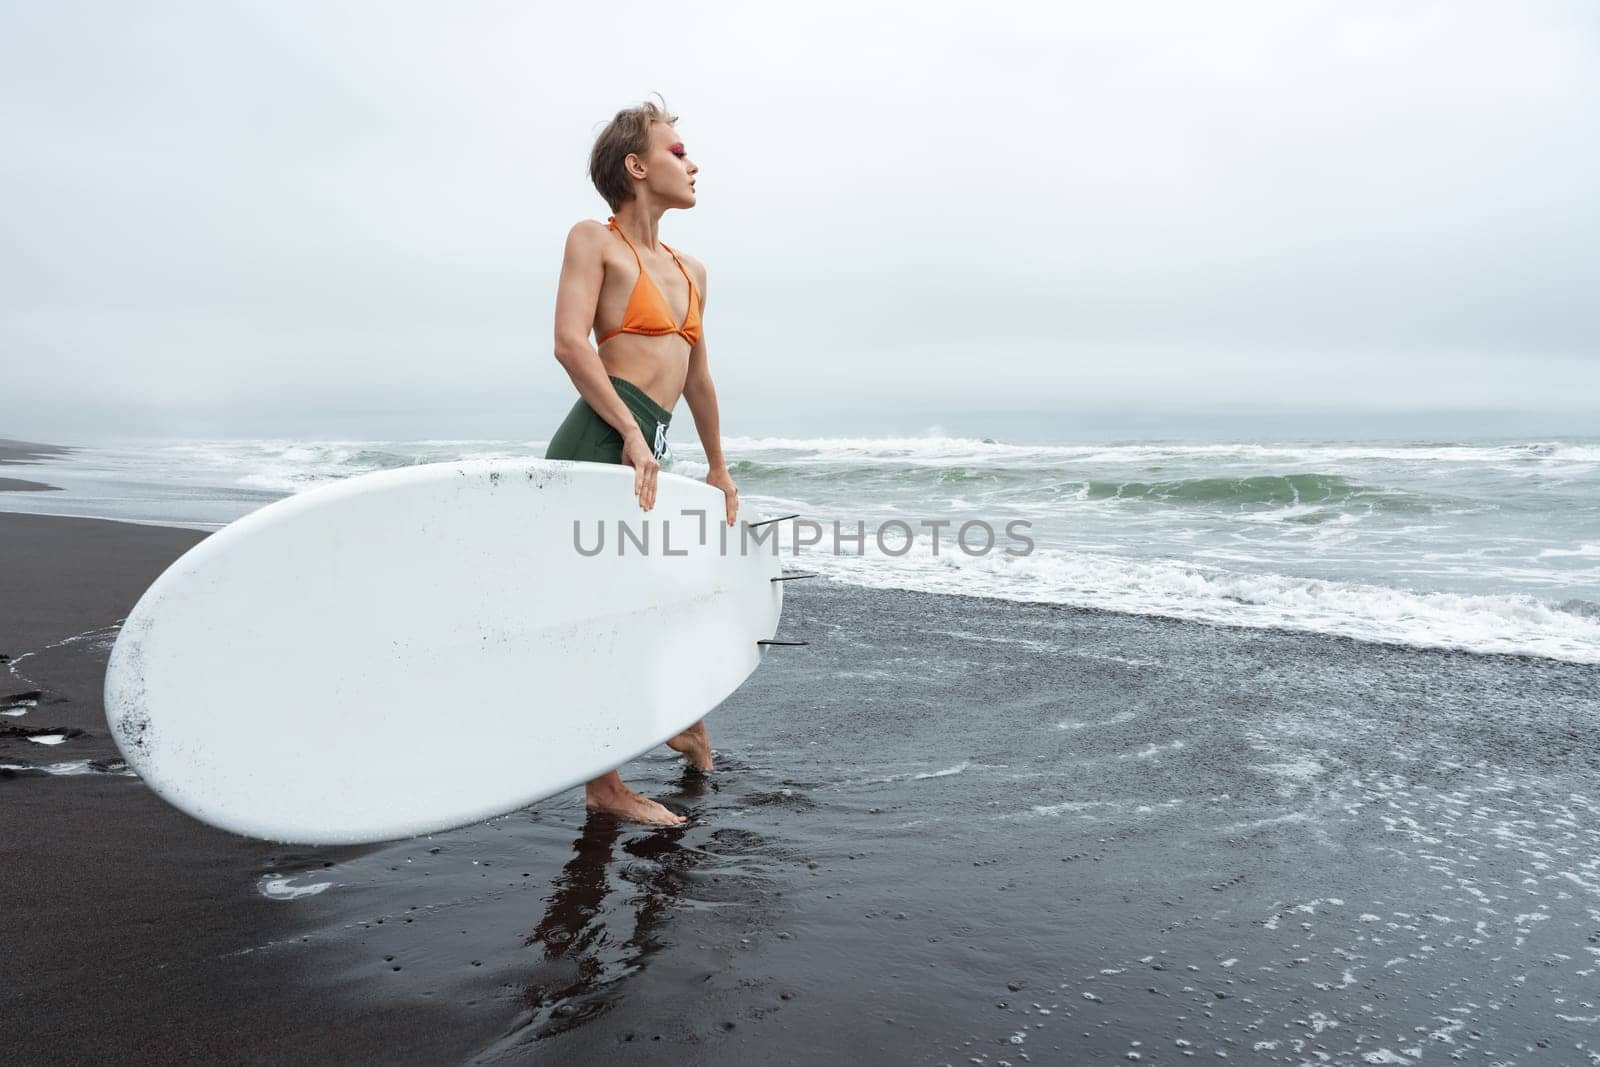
x: 644, y: 301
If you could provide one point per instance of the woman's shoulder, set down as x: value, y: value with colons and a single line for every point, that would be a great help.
x: 694, y: 266
x: 588, y: 228
x: 587, y: 238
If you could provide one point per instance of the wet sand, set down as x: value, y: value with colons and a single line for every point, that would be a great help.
x: 950, y: 830
x: 25, y: 452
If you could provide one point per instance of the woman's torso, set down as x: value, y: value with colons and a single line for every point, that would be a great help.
x: 658, y: 364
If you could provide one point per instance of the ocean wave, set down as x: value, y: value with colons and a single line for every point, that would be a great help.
x: 1281, y: 490
x: 933, y: 449
x: 869, y: 470
x: 1582, y: 550
x: 1584, y: 609
x: 290, y: 466
x: 1510, y: 624
x: 1207, y: 473
x: 1211, y: 532
x: 1302, y: 497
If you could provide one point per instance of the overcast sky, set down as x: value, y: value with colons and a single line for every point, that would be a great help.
x: 347, y: 219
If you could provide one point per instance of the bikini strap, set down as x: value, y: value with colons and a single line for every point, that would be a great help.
x: 611, y: 224
x: 681, y: 268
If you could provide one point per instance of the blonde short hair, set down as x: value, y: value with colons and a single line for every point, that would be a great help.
x: 628, y: 133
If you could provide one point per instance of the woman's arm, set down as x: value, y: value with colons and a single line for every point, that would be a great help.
x: 701, y: 396
x: 578, y: 295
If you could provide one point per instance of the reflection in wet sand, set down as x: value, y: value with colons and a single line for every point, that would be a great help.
x: 584, y: 955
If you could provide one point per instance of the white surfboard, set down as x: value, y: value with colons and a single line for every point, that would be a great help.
x: 419, y: 649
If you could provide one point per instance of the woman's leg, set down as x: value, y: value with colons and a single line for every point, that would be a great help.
x: 695, y: 746
x: 584, y: 436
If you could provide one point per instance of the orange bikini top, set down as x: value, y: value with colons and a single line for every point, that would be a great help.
x: 648, y: 312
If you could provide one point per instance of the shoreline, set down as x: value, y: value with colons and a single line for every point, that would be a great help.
x: 27, y: 453
x: 1498, y: 613
x: 20, y: 485
x: 15, y: 451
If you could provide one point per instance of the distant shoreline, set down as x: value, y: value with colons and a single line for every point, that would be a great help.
x: 23, y: 452
x: 12, y: 451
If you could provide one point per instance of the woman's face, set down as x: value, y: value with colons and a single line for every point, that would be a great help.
x: 670, y: 171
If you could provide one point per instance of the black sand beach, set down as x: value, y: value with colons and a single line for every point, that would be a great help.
x: 20, y: 452
x: 951, y: 830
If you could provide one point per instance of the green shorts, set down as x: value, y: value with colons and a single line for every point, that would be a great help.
x: 583, y: 435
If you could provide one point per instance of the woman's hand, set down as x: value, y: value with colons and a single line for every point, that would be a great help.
x: 720, y: 478
x: 636, y: 453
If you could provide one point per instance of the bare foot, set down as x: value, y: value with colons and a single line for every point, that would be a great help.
x: 608, y: 794
x: 695, y: 746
